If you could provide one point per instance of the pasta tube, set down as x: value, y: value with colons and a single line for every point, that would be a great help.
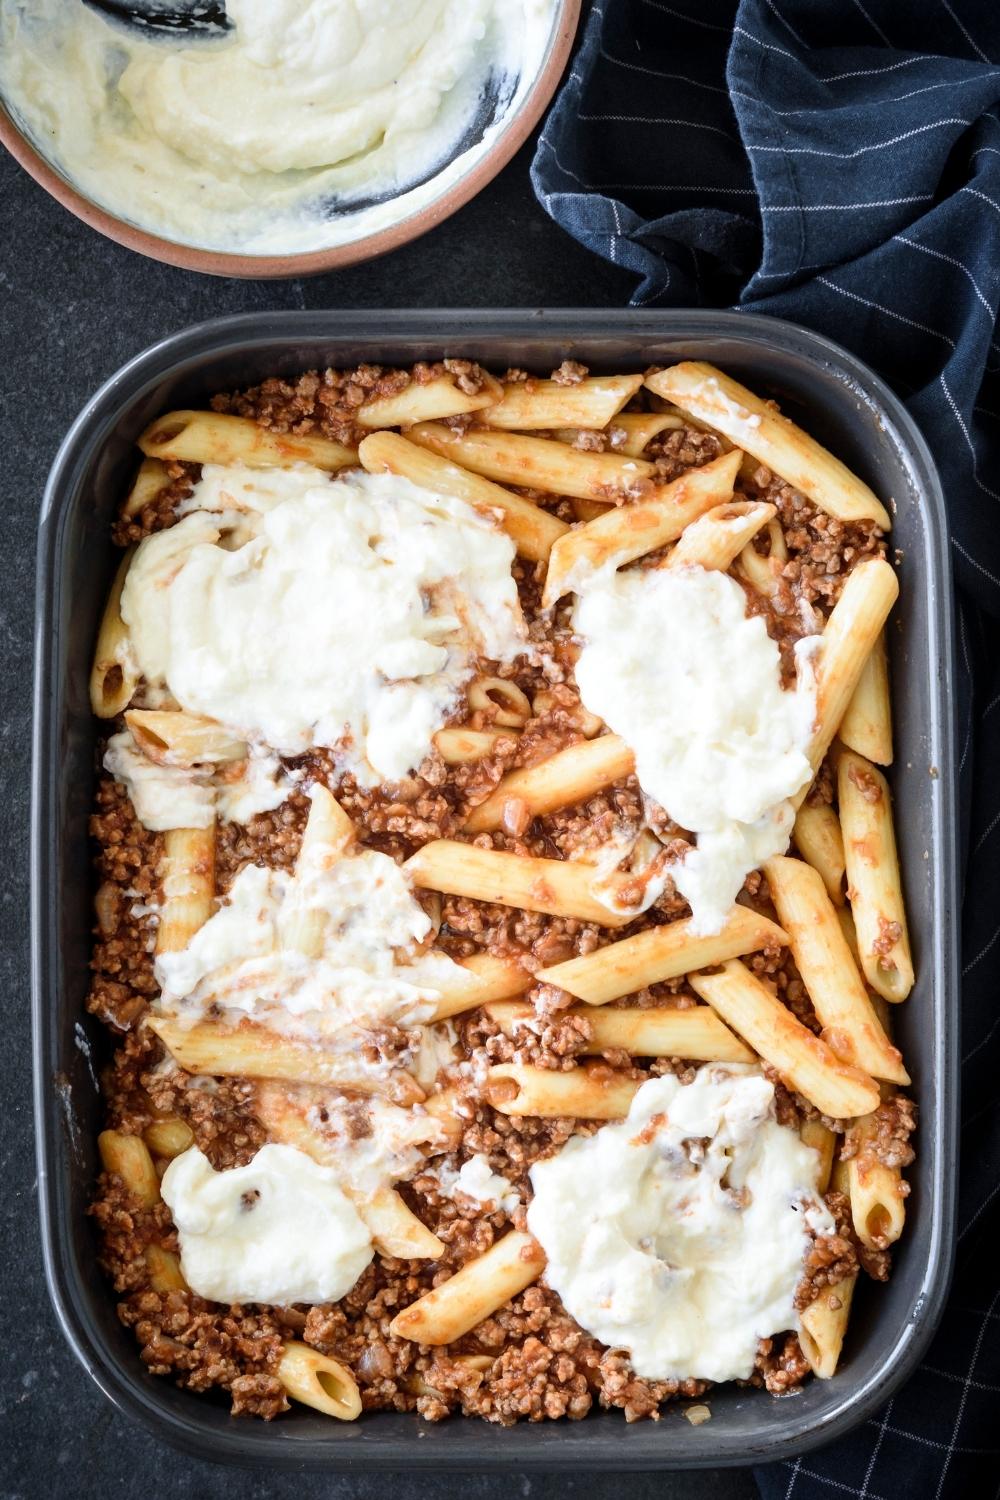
x: 466, y: 1299
x: 536, y: 463
x: 188, y: 885
x: 818, y: 839
x: 873, y: 880
x: 660, y: 953
x: 804, y: 1061
x: 718, y: 537
x: 484, y: 978
x: 114, y: 676
x: 584, y: 1093
x: 850, y: 1025
x: 823, y: 1325
x: 427, y: 401
x: 316, y: 1380
x: 531, y: 529
x: 693, y: 1032
x: 127, y: 1157
x: 626, y: 532
x: 725, y: 406
x: 571, y: 775
x: 867, y: 723
x: 558, y: 887
x: 211, y: 437
x: 590, y: 403
x: 172, y: 738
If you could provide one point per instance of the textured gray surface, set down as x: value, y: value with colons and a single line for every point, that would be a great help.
x: 73, y: 307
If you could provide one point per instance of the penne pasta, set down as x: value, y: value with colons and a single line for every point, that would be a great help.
x: 660, y: 953
x: 114, y: 676
x: 172, y: 738
x: 503, y: 700
x: 558, y: 887
x: 581, y: 718
x: 759, y: 429
x: 325, y: 839
x: 718, y: 537
x: 483, y: 1285
x: 817, y: 837
x: 187, y: 880
x: 764, y: 573
x: 873, y: 879
x: 532, y: 530
x: 164, y: 1267
x: 867, y: 723
x: 168, y: 1138
x: 850, y: 1026
x: 536, y: 463
x: 823, y: 1325
x: 485, y: 978
x: 127, y: 1157
x: 629, y: 531
x: 210, y: 1048
x: 641, y: 427
x: 211, y: 437
x: 594, y: 1093
x: 877, y: 1193
x: 851, y: 631
x: 589, y: 403
x: 316, y: 1380
x: 394, y: 1228
x: 823, y: 1141
x: 571, y: 775
x: 459, y: 747
x: 694, y: 1032
x: 428, y: 401
x: 804, y: 1061
x: 151, y: 477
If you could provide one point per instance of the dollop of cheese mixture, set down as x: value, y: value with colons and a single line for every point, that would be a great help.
x: 679, y: 1234
x: 293, y: 130
x: 366, y: 971
x: 672, y: 662
x: 279, y: 1230
x: 347, y: 612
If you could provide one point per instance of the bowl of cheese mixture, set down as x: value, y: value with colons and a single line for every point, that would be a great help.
x: 273, y: 137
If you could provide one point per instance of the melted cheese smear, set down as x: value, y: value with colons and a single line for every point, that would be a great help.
x: 262, y: 139
x: 300, y: 611
x: 672, y: 663
x: 279, y: 1230
x: 680, y: 1233
x: 364, y: 969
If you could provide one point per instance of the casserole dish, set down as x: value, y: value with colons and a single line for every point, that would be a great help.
x: 857, y: 417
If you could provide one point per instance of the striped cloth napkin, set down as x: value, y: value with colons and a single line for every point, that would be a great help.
x: 837, y: 163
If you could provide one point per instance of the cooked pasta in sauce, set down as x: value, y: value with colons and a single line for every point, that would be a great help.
x: 416, y: 932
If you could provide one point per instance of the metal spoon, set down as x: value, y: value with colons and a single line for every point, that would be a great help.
x: 207, y: 17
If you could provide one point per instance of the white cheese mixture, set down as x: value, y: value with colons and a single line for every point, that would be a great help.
x: 279, y: 1230
x: 163, y: 796
x: 290, y: 132
x: 672, y: 663
x: 475, y: 1179
x: 384, y: 1151
x: 244, y: 958
x: 342, y: 612
x: 679, y: 1234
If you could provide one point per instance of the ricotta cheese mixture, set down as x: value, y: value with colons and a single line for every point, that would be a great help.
x: 672, y: 663
x: 300, y: 611
x: 308, y: 123
x: 367, y: 970
x: 679, y: 1234
x: 476, y: 1179
x: 279, y: 1230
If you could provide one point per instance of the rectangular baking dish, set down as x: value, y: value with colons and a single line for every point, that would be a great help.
x: 851, y: 411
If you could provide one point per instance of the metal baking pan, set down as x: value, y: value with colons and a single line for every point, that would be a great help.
x: 849, y: 409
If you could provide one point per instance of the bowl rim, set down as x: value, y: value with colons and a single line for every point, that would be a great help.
x: 334, y: 257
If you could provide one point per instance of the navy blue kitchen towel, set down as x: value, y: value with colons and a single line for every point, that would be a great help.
x: 837, y: 162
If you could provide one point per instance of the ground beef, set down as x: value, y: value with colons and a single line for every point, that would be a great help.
x: 888, y: 1141
x: 530, y: 1360
x: 161, y: 510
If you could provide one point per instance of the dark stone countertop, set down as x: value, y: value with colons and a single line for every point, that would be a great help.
x: 73, y: 307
